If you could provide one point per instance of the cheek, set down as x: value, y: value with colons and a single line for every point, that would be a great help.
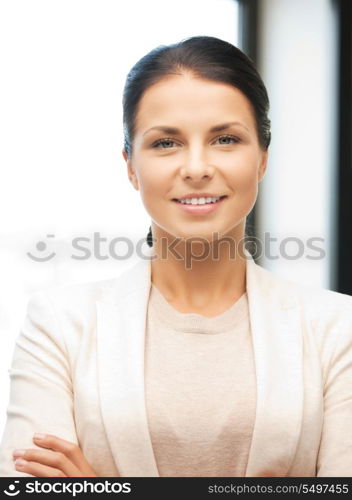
x: 244, y: 178
x: 153, y: 186
x: 241, y: 166
x: 148, y: 176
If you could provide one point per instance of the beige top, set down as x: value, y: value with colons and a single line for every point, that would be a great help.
x: 200, y: 389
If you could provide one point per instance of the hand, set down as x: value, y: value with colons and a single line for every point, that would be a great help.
x: 59, y: 458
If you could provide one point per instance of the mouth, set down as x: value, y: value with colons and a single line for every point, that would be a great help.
x: 200, y: 206
x: 200, y: 201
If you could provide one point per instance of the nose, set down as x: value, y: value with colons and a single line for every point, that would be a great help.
x: 195, y: 166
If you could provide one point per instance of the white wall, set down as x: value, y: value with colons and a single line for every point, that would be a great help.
x: 298, y: 64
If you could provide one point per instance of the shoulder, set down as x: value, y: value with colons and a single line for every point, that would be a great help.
x: 318, y: 302
x: 71, y: 295
x: 74, y: 301
x: 68, y: 314
x: 62, y: 316
x: 312, y: 299
x: 326, y: 315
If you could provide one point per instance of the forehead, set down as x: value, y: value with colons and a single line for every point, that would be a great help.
x: 188, y: 100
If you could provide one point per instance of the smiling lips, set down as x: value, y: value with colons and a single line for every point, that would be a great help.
x: 200, y: 206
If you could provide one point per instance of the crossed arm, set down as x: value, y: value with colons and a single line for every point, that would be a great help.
x: 57, y: 458
x: 41, y: 395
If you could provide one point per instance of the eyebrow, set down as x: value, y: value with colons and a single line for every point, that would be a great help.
x: 216, y: 128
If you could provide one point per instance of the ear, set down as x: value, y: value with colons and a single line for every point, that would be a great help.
x: 263, y: 165
x: 130, y: 170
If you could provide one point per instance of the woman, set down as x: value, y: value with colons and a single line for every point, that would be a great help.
x: 195, y: 361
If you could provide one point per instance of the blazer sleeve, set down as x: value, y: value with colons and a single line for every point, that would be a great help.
x: 41, y: 396
x: 335, y: 452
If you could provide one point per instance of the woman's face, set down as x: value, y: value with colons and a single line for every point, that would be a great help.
x: 170, y: 164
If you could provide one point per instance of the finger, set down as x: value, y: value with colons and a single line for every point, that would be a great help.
x: 37, y: 469
x: 53, y: 459
x: 71, y: 450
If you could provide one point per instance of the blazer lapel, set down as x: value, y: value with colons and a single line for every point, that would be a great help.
x: 121, y: 315
x: 277, y: 343
x: 278, y: 353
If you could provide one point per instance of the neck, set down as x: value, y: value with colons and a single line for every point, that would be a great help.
x: 203, y: 277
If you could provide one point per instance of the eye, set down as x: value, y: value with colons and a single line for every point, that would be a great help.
x: 228, y: 138
x: 160, y: 142
x: 168, y: 143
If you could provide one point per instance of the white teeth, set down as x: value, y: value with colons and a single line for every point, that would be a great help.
x: 200, y: 201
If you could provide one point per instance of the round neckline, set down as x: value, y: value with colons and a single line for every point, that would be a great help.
x: 195, y: 322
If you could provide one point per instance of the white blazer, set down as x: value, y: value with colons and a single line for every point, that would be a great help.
x: 78, y: 372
